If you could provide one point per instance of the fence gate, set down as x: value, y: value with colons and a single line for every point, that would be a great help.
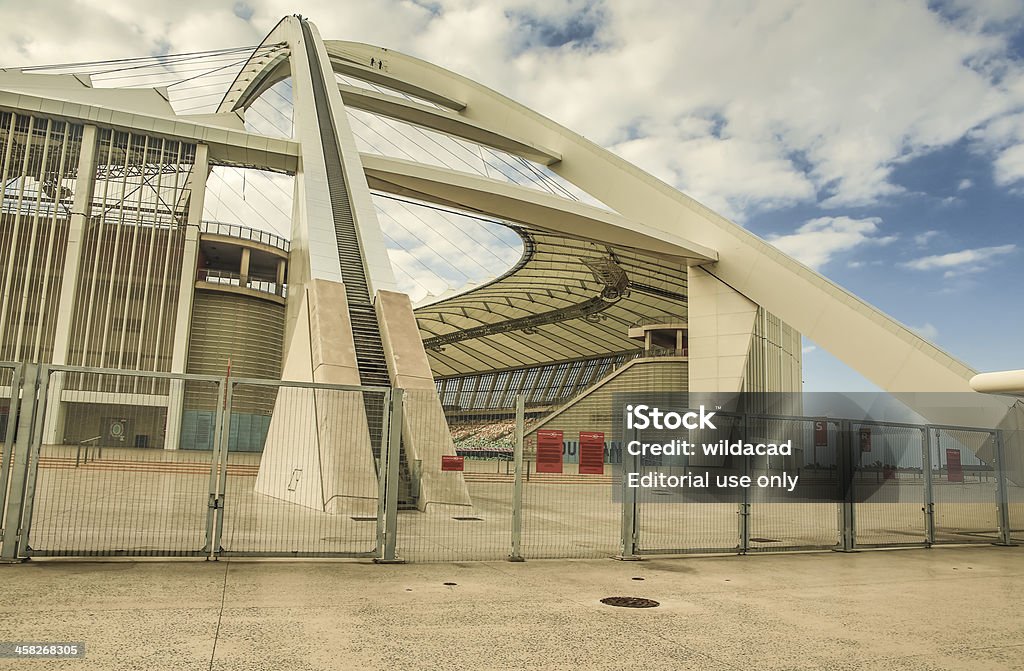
x: 777, y: 521
x: 966, y: 486
x: 455, y: 507
x: 301, y: 463
x: 890, y: 490
x: 100, y: 482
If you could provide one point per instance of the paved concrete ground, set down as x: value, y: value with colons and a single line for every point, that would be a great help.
x: 945, y: 608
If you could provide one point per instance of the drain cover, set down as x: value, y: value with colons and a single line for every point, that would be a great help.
x: 765, y: 540
x: 364, y: 518
x: 469, y: 519
x: 629, y: 602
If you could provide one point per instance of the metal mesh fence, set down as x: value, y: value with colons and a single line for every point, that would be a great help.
x: 136, y: 464
x: 460, y: 474
x: 569, y: 511
x: 105, y: 484
x: 677, y: 521
x: 778, y: 521
x: 964, y: 486
x: 302, y: 480
x: 889, y: 487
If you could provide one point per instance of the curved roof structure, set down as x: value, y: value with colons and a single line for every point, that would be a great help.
x: 565, y: 299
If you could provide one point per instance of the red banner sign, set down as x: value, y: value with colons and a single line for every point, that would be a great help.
x: 954, y: 470
x: 865, y: 440
x: 549, y: 451
x: 452, y: 463
x: 591, y: 453
x: 821, y: 433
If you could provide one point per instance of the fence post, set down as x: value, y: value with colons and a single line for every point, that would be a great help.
x: 517, y: 487
x: 222, y: 459
x: 630, y: 464
x: 10, y: 548
x: 9, y: 437
x: 382, y: 468
x: 212, y: 499
x: 392, y: 454
x: 929, y: 492
x: 1002, y: 492
x: 744, y: 511
x: 35, y: 449
x: 847, y: 474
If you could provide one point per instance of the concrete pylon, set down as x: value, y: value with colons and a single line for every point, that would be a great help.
x: 425, y: 434
x: 318, y: 452
x: 319, y: 449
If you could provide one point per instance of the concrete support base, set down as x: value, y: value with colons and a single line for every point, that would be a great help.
x: 425, y: 434
x: 318, y: 452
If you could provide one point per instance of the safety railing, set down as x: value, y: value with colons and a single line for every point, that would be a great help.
x: 234, y: 279
x: 244, y: 233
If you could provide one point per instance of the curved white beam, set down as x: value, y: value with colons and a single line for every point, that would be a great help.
x: 1002, y: 382
x: 877, y: 346
x: 522, y: 205
x: 356, y: 63
x: 444, y: 122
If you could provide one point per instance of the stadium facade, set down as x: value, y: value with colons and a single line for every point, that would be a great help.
x: 107, y: 261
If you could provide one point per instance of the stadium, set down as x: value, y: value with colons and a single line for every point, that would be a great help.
x: 205, y: 266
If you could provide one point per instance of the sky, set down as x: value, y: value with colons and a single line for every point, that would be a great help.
x: 879, y: 142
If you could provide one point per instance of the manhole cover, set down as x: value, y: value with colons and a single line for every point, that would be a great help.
x: 629, y: 602
x: 765, y: 540
x: 364, y: 518
x: 469, y: 519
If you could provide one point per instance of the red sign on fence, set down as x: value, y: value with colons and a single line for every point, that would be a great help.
x: 549, y: 451
x: 954, y: 470
x: 452, y: 463
x: 865, y: 440
x: 591, y: 453
x: 821, y: 433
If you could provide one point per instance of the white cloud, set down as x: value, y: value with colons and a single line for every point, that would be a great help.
x: 966, y: 261
x: 747, y: 106
x: 1009, y: 165
x: 928, y: 331
x: 964, y: 184
x: 816, y: 242
x: 922, y: 239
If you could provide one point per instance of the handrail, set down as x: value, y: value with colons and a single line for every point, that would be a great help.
x: 661, y: 319
x: 234, y: 279
x: 244, y: 233
x: 78, y: 452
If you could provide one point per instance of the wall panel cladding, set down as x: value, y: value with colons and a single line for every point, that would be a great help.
x: 249, y: 332
x: 128, y: 284
x: 38, y: 162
